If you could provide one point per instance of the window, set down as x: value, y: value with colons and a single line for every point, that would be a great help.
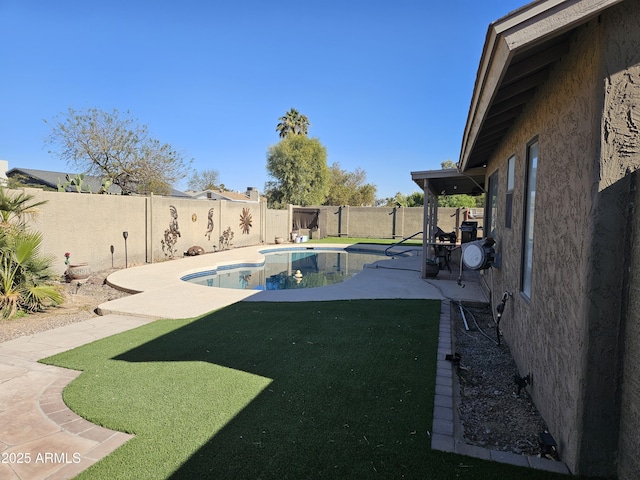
x: 492, y: 205
x: 511, y: 168
x: 529, y: 210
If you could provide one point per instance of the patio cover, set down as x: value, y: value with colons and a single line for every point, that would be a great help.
x: 436, y: 183
x: 450, y: 181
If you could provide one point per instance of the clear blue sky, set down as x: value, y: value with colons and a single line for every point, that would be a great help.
x: 385, y: 84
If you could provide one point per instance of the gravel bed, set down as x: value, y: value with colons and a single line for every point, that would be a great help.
x: 492, y: 413
x: 81, y: 299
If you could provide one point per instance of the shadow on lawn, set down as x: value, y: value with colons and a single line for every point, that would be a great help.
x: 351, y: 393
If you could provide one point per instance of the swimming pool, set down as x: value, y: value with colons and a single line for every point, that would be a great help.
x: 290, y: 269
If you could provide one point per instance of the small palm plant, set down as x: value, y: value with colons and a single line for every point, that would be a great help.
x: 15, y: 209
x: 26, y: 278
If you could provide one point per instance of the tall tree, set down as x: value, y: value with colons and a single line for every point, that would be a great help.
x: 204, y: 180
x: 108, y: 145
x: 349, y: 188
x: 448, y: 164
x: 293, y: 123
x: 299, y: 172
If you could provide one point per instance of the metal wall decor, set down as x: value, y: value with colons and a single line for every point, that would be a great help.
x: 209, y: 224
x: 225, y: 239
x: 171, y: 234
x: 245, y: 221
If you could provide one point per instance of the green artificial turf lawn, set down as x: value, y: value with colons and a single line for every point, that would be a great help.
x: 340, y: 390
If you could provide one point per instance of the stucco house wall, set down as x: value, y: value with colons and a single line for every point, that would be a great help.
x: 628, y: 460
x: 620, y: 170
x: 568, y: 335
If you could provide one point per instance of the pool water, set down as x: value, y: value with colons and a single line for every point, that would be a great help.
x: 289, y: 270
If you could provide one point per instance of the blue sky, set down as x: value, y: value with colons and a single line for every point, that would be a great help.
x: 385, y: 85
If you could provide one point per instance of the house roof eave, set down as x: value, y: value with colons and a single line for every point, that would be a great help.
x: 518, y: 52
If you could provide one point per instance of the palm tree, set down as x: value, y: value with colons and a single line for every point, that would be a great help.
x: 25, y: 274
x: 14, y: 209
x: 293, y: 123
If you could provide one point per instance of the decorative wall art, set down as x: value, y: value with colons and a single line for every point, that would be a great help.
x: 171, y: 234
x: 209, y: 224
x: 245, y: 221
x: 225, y: 239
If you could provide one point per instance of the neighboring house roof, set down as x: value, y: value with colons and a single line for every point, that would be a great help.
x: 222, y: 195
x: 518, y: 53
x: 47, y: 178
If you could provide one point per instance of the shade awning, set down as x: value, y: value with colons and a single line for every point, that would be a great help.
x: 451, y: 182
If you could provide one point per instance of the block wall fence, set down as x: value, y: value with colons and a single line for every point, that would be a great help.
x: 161, y: 228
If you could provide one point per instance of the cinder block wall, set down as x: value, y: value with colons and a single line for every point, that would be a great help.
x: 389, y: 222
x: 158, y: 228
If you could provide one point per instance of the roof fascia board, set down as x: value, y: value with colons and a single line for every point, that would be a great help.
x: 517, y: 31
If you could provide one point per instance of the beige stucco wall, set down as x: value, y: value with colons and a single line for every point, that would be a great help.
x: 628, y: 460
x: 566, y: 336
x: 620, y: 157
x: 87, y: 225
x: 388, y: 222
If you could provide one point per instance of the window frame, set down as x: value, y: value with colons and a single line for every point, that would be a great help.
x: 508, y: 209
x: 491, y: 205
x: 528, y: 218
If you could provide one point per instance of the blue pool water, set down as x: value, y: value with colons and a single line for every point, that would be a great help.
x: 316, y: 268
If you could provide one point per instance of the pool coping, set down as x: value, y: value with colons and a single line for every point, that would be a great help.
x: 264, y: 252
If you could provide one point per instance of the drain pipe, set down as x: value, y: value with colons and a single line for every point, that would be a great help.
x: 500, y: 310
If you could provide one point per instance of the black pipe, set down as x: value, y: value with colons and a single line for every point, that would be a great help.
x: 500, y: 310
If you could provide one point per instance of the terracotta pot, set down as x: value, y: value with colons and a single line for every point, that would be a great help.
x: 78, y: 271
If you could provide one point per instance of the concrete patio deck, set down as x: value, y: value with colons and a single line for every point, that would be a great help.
x: 164, y: 295
x: 40, y: 438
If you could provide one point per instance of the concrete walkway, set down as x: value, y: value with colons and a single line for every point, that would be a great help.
x: 40, y: 438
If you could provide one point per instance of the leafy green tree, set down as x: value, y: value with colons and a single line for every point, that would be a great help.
x: 26, y: 278
x: 457, y: 201
x: 105, y: 144
x: 299, y: 172
x: 204, y: 180
x: 349, y: 188
x: 293, y: 123
x: 447, y: 164
x: 415, y: 199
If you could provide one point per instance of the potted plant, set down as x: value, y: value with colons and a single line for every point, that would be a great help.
x: 76, y: 271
